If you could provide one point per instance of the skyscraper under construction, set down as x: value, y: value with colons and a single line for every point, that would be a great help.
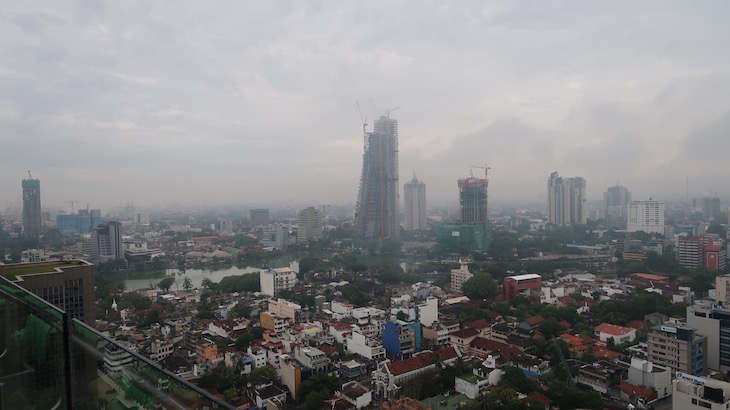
x: 473, y: 204
x: 376, y: 216
x: 31, y: 207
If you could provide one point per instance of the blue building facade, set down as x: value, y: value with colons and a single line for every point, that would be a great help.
x: 401, y: 339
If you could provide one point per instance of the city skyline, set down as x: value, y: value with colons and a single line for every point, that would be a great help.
x: 153, y: 110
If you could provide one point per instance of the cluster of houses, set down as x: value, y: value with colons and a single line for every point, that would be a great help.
x: 375, y: 350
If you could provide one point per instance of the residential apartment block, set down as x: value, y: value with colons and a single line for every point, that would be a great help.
x: 677, y: 347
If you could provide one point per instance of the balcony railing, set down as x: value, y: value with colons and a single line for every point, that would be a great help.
x: 50, y: 361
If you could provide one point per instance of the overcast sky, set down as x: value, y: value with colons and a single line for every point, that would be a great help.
x: 241, y: 102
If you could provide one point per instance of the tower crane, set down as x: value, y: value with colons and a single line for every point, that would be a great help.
x: 72, y: 204
x: 486, y: 171
x: 363, y: 119
x: 389, y: 110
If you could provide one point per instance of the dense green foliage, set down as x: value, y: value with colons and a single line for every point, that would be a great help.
x: 637, y: 305
x: 248, y: 282
x: 323, y: 382
x: 567, y: 397
x: 166, y: 283
x: 134, y: 299
x: 480, y: 286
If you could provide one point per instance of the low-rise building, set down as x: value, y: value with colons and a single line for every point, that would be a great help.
x: 160, y: 349
x: 653, y: 376
x: 284, y: 308
x: 312, y: 358
x: 388, y: 377
x: 619, y: 334
x: 368, y: 348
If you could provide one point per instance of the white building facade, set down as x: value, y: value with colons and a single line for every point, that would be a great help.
x: 647, y: 216
x: 414, y: 193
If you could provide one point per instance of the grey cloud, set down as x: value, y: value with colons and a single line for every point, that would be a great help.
x: 186, y: 99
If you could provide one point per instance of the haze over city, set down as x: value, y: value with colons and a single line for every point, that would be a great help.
x: 158, y: 103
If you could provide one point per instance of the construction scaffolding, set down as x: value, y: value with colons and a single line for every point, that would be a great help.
x: 376, y: 216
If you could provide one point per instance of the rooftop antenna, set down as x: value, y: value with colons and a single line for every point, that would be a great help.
x: 29, y: 175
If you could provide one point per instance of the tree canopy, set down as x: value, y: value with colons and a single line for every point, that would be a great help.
x: 248, y: 282
x: 480, y: 286
x: 166, y: 284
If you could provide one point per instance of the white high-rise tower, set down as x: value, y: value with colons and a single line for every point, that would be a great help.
x: 414, y: 193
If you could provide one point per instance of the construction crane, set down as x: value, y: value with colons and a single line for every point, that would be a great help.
x: 563, y: 362
x: 389, y: 110
x: 363, y: 119
x: 72, y: 204
x: 29, y: 175
x: 486, y: 171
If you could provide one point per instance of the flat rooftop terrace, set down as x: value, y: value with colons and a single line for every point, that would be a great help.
x: 13, y: 271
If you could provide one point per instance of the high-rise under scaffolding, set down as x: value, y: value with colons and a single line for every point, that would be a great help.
x: 473, y: 204
x: 376, y: 216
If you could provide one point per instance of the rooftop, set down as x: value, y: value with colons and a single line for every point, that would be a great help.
x: 525, y: 276
x: 614, y: 330
x: 13, y: 271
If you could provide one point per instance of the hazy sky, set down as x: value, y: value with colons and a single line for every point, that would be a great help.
x: 240, y: 102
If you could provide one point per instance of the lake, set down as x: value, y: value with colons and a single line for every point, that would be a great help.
x: 142, y: 280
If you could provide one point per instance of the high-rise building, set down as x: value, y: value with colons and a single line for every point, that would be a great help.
x: 376, y: 216
x: 647, y: 216
x: 710, y: 207
x: 66, y: 284
x: 615, y: 206
x: 473, y: 206
x: 79, y: 223
x: 309, y: 225
x: 695, y: 252
x: 616, y: 196
x: 566, y: 200
x: 414, y: 194
x: 473, y: 200
x: 109, y: 241
x: 259, y: 217
x: 31, y: 207
x: 712, y: 320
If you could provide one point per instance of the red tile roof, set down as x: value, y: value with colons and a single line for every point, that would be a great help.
x: 421, y: 361
x: 465, y: 333
x: 539, y: 397
x: 534, y: 320
x: 507, y: 351
x: 635, y: 324
x: 632, y: 390
x: 614, y: 330
x: 650, y: 276
x: 599, y: 351
x: 479, y: 324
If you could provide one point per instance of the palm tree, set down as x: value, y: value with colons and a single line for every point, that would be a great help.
x: 187, y: 283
